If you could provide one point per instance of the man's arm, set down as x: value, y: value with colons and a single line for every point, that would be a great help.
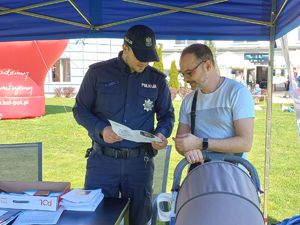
x: 164, y: 115
x: 192, y: 156
x: 241, y: 142
x: 181, y: 129
x: 164, y: 110
x: 82, y: 109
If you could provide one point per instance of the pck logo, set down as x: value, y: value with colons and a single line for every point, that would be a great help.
x: 45, y: 202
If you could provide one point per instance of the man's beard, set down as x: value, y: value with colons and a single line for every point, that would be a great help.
x: 196, y: 86
x: 200, y: 86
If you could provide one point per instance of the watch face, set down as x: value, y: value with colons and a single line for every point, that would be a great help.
x: 204, y: 143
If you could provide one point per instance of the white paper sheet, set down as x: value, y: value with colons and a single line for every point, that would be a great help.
x: 82, y: 200
x: 6, y: 222
x: 133, y: 135
x: 2, y: 212
x: 79, y: 195
x: 7, y: 215
x: 39, y: 217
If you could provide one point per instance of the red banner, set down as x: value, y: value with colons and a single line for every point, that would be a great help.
x: 23, y: 68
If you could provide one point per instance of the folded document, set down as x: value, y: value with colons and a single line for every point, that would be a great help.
x: 82, y: 200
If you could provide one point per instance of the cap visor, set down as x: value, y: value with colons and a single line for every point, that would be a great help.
x: 146, y: 55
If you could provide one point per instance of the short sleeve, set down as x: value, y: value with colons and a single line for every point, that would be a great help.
x: 184, y: 113
x: 242, y: 104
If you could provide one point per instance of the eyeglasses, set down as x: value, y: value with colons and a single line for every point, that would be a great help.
x: 189, y: 73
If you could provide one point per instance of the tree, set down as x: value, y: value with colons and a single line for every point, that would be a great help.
x: 213, y: 49
x: 174, y: 83
x: 159, y: 65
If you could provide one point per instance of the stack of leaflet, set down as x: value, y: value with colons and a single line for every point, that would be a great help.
x: 82, y: 200
x: 8, y: 215
x: 38, y: 217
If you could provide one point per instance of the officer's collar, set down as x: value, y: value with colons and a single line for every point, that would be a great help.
x: 121, y: 62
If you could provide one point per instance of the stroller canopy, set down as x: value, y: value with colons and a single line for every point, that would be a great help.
x: 218, y: 193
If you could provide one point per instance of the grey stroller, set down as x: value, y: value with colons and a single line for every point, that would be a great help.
x: 218, y: 192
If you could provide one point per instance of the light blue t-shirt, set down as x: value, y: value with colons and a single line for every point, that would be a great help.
x: 216, y: 111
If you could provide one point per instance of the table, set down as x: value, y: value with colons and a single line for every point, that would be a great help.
x: 111, y: 211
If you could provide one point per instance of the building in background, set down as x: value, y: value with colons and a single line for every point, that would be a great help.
x: 246, y: 59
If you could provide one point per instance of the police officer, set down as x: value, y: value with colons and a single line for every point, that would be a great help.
x: 128, y: 91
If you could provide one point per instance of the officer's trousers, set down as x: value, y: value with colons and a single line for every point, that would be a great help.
x: 129, y: 178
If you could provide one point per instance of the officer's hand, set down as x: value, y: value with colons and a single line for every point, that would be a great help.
x: 160, y: 145
x: 109, y: 136
x: 187, y: 142
x: 194, y: 156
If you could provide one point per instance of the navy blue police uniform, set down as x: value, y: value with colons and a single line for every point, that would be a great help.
x: 110, y: 92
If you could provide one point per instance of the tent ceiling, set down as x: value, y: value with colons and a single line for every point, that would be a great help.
x: 170, y: 19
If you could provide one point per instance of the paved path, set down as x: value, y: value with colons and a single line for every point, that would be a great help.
x: 282, y: 97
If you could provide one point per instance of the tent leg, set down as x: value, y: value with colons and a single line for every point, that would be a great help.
x: 293, y: 84
x: 269, y: 115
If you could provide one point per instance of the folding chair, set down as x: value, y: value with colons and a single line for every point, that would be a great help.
x: 160, y: 178
x: 21, y: 162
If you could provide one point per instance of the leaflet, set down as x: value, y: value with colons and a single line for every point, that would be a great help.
x: 2, y: 212
x: 39, y: 217
x: 79, y: 195
x: 7, y: 215
x: 82, y: 200
x: 133, y: 135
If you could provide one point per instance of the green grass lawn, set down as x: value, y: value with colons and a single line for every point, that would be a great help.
x: 65, y: 143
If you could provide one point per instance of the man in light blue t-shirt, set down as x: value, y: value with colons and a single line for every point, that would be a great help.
x: 224, y: 110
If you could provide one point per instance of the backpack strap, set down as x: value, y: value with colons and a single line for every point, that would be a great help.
x: 193, y: 112
x: 193, y: 118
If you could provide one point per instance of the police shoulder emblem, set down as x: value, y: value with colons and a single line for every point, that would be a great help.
x: 148, y: 42
x: 148, y: 105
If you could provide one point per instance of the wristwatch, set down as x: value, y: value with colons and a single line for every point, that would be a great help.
x: 205, y: 144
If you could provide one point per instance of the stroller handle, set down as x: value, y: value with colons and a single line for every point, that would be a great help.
x: 216, y: 156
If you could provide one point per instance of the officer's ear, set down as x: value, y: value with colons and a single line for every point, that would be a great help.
x: 125, y: 48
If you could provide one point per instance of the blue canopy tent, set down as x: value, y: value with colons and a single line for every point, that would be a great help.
x: 170, y: 19
x: 189, y: 19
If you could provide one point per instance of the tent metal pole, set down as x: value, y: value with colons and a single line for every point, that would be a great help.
x: 79, y: 11
x: 280, y: 10
x: 198, y: 12
x: 285, y: 51
x: 16, y: 10
x: 269, y: 114
x: 153, y: 15
x: 293, y: 84
x: 49, y: 18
